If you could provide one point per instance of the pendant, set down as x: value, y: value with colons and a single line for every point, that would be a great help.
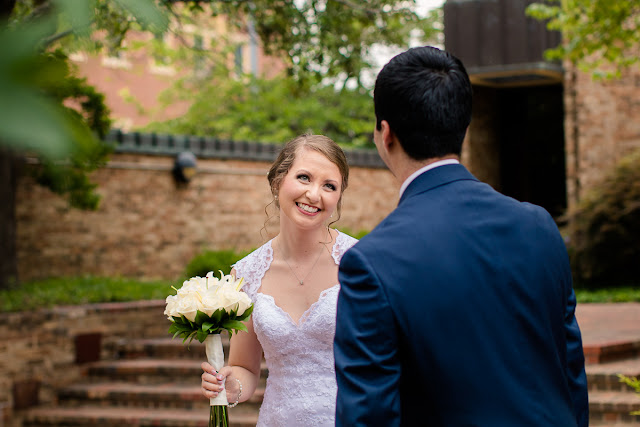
x: 301, y: 282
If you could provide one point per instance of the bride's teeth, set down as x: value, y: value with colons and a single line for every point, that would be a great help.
x: 308, y: 208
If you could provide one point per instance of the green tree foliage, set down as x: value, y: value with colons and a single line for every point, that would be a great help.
x: 326, y: 39
x: 49, y: 112
x: 274, y: 111
x: 87, y: 110
x: 327, y: 49
x: 601, y: 36
x: 605, y: 230
x: 49, y: 115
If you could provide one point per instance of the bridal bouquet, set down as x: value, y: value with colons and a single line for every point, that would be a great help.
x: 202, y: 308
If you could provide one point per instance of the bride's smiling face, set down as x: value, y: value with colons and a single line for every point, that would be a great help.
x: 310, y: 191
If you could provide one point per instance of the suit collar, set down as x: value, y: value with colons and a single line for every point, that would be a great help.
x: 436, y: 177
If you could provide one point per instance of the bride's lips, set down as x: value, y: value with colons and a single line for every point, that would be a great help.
x: 307, y: 209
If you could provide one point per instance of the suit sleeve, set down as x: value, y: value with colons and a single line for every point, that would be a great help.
x: 575, y: 364
x: 365, y: 347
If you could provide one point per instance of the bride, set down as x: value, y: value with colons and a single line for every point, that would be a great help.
x: 293, y: 282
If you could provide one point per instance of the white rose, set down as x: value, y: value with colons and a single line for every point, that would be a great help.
x: 188, y: 286
x: 188, y: 306
x: 233, y: 300
x: 210, y: 303
x: 170, y: 309
x: 244, y: 303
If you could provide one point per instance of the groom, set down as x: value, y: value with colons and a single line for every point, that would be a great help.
x: 458, y: 308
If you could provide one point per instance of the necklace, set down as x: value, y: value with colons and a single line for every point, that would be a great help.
x: 301, y: 281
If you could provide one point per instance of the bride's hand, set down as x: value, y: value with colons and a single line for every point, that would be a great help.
x: 212, y: 382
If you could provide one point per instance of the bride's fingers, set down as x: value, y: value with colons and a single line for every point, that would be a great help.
x: 211, y: 382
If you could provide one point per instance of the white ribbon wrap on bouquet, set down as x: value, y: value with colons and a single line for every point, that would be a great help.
x: 215, y: 357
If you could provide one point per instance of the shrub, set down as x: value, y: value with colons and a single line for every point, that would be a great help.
x: 358, y: 235
x: 208, y: 260
x: 605, y: 230
x: 634, y: 383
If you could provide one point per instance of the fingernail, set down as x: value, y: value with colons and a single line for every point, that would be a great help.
x: 219, y: 377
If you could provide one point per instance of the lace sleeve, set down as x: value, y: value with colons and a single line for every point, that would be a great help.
x: 343, y: 243
x: 253, y: 267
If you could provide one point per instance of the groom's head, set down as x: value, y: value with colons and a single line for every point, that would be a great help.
x: 424, y: 94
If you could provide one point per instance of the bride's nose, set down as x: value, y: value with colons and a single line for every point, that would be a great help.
x: 313, y: 193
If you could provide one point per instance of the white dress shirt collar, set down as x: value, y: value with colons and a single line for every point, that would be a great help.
x: 422, y: 170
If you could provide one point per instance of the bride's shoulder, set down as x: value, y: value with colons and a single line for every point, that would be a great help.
x: 342, y: 244
x: 253, y: 267
x: 257, y: 257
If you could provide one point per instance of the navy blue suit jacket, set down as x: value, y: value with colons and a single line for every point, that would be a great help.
x: 458, y: 310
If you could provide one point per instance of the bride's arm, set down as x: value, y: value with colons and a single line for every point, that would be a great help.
x: 245, y: 358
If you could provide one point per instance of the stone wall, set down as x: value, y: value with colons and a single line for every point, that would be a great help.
x: 602, y: 124
x: 46, y: 349
x: 147, y: 226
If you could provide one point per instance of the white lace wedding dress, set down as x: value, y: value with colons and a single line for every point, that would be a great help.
x: 301, y: 386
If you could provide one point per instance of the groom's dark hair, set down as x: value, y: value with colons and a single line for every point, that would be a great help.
x: 425, y: 96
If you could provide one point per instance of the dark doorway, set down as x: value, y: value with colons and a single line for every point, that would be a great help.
x: 532, y: 155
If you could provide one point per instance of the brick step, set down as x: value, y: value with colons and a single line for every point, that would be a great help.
x: 166, y: 348
x: 604, y: 376
x: 94, y: 416
x: 126, y: 394
x: 151, y: 371
x: 613, y: 408
x: 604, y: 352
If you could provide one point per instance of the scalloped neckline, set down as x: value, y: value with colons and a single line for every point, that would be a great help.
x: 305, y: 315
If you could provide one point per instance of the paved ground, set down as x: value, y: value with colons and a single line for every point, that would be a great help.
x: 609, y: 323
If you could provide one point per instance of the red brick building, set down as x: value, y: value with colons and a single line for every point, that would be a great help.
x: 134, y: 78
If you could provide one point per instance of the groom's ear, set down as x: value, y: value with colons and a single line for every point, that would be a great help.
x: 388, y: 136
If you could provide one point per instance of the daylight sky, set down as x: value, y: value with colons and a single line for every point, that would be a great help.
x: 383, y: 54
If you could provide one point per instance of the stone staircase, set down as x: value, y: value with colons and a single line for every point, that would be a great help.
x: 611, y: 401
x: 154, y: 382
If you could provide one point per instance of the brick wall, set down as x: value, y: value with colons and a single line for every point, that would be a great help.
x: 148, y: 227
x: 38, y: 350
x: 602, y: 124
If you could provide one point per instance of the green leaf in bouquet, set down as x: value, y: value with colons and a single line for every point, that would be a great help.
x: 184, y: 328
x: 234, y: 325
x: 192, y: 335
x: 216, y: 317
x: 209, y: 325
x: 244, y: 316
x: 201, y: 317
x: 202, y: 335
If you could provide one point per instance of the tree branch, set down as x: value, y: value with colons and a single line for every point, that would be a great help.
x: 51, y: 39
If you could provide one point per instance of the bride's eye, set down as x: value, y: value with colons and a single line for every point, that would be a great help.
x: 303, y: 177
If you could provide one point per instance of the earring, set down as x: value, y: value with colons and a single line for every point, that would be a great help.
x: 275, y: 197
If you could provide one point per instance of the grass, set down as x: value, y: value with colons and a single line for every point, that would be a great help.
x: 624, y: 294
x: 80, y: 290
x: 83, y: 290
